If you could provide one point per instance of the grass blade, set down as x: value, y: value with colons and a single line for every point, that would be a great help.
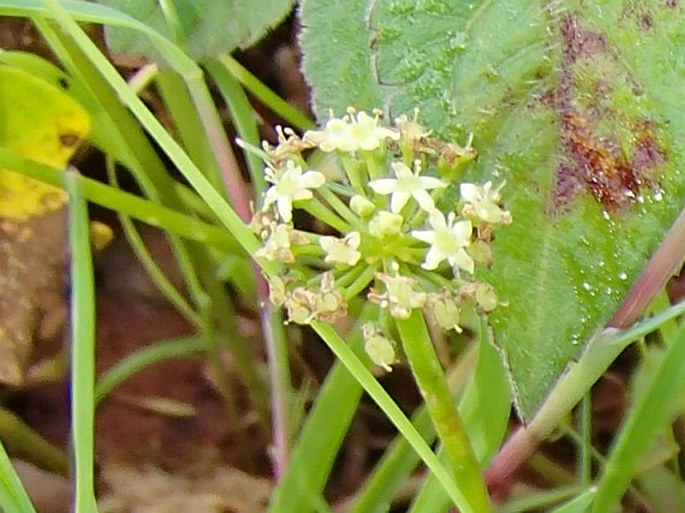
x: 649, y: 415
x: 82, y: 347
x: 12, y: 492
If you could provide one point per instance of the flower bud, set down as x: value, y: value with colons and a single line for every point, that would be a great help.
x: 380, y: 349
x: 486, y: 297
x: 362, y: 206
x: 385, y: 224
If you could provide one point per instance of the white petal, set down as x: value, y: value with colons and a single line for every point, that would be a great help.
x: 462, y: 260
x: 401, y: 171
x: 437, y: 220
x: 364, y: 119
x: 399, y: 200
x: 384, y: 185
x: 462, y: 230
x: 311, y: 180
x: 353, y: 240
x: 314, y: 136
x: 285, y: 208
x: 430, y: 182
x: 302, y: 194
x: 469, y: 192
x: 271, y: 196
x: 326, y: 242
x: 433, y: 258
x: 424, y: 200
x: 427, y: 236
x: 390, y: 133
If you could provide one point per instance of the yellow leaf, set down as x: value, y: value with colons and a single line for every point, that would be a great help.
x: 43, y: 123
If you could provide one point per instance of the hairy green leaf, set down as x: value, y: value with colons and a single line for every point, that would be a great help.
x: 576, y: 105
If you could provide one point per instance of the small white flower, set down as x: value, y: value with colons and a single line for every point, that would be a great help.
x: 352, y: 132
x: 483, y: 202
x: 447, y: 240
x: 366, y: 134
x: 407, y: 185
x: 290, y: 184
x: 342, y: 251
x: 277, y: 245
x: 400, y: 296
x: 289, y: 144
x: 334, y: 136
x: 410, y: 129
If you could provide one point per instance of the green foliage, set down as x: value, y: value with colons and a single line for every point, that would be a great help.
x: 580, y: 121
x: 653, y: 411
x: 564, y: 106
x: 12, y: 492
x: 205, y: 28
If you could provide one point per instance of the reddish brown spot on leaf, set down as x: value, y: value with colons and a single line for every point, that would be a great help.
x: 597, y: 157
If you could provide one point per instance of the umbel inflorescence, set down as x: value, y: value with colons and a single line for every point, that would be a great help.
x: 374, y: 227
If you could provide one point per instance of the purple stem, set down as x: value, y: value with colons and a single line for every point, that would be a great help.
x: 501, y: 474
x: 240, y: 197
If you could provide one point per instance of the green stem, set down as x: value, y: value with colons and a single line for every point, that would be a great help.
x: 142, y: 358
x: 275, y: 341
x: 340, y: 208
x: 149, y: 212
x: 360, y: 282
x: 355, y: 366
x: 433, y: 386
x: 173, y: 21
x: 185, y: 66
x: 398, y: 461
x: 243, y: 117
x: 231, y: 177
x: 372, y: 166
x: 142, y: 78
x: 276, y: 345
x: 320, y: 211
x: 13, y: 495
x: 82, y: 348
x: 20, y: 437
x: 286, y: 111
x: 352, y: 170
x: 585, y: 462
x: 600, y: 352
x: 156, y: 274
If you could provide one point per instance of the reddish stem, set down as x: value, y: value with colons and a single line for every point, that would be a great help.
x: 666, y: 260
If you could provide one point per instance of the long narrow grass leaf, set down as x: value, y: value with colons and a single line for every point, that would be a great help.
x: 321, y: 437
x: 180, y: 62
x: 355, y: 366
x: 82, y: 347
x: 649, y: 415
x: 142, y: 358
x: 12, y: 492
x: 149, y: 212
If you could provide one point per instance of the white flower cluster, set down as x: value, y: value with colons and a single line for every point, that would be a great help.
x: 391, y: 238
